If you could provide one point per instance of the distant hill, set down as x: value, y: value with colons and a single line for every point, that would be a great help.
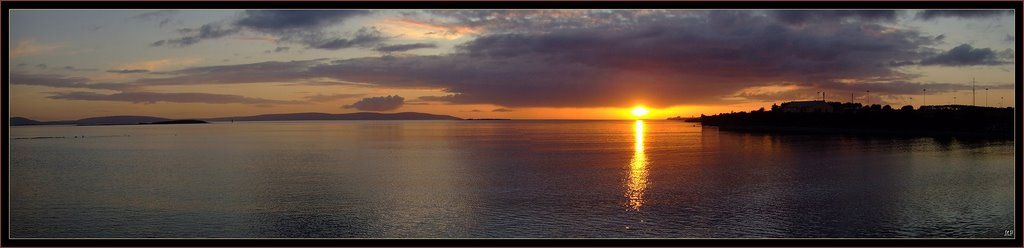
x: 119, y: 120
x: 349, y: 116
x: 22, y: 121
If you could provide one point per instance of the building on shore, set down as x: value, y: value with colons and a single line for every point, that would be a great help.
x: 807, y: 107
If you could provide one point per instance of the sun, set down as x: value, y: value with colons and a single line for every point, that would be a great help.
x: 639, y: 111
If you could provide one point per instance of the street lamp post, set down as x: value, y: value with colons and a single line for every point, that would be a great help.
x: 924, y: 97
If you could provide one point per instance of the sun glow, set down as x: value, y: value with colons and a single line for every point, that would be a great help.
x: 639, y: 111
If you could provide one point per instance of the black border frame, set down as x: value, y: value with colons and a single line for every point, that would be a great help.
x: 9, y: 5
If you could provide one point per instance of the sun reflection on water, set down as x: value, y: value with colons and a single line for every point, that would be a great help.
x: 637, y: 181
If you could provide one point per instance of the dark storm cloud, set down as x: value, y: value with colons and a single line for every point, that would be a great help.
x: 966, y: 55
x: 128, y: 71
x: 663, y: 59
x: 305, y: 27
x: 154, y: 97
x: 365, y: 37
x: 380, y: 103
x: 932, y: 14
x: 797, y: 17
x: 694, y: 60
x: 57, y: 81
x: 403, y: 47
x: 328, y: 98
x: 282, y: 21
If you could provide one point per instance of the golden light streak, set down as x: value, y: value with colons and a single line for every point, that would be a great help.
x: 637, y: 181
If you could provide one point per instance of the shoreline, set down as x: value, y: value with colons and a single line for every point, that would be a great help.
x: 858, y: 131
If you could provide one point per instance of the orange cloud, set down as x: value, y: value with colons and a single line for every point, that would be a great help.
x: 157, y: 64
x: 413, y: 29
x: 31, y: 47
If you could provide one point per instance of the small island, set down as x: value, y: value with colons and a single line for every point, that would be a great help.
x: 853, y: 118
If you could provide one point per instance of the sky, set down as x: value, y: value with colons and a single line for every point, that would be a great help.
x: 523, y: 64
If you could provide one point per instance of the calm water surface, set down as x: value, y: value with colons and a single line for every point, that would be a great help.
x: 500, y: 179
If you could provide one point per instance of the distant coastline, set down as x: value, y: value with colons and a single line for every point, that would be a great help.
x: 146, y: 120
x: 184, y: 121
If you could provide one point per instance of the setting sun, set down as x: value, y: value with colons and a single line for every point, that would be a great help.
x: 639, y: 111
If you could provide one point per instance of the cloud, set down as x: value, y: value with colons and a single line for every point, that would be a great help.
x: 502, y: 110
x: 262, y: 72
x: 403, y: 47
x: 128, y: 71
x: 692, y: 60
x: 193, y: 36
x: 799, y: 17
x: 903, y: 87
x: 932, y: 14
x: 532, y: 21
x: 305, y: 27
x: 278, y: 49
x: 365, y: 37
x: 658, y: 58
x: 380, y: 103
x: 31, y: 47
x: 58, y: 81
x: 162, y: 17
x: 159, y: 64
x: 72, y: 68
x: 290, y: 21
x: 966, y: 55
x: 328, y: 98
x: 154, y: 97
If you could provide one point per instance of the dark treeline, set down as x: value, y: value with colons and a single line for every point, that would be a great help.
x: 855, y: 118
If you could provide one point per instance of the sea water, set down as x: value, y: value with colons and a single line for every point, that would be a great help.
x: 509, y: 179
